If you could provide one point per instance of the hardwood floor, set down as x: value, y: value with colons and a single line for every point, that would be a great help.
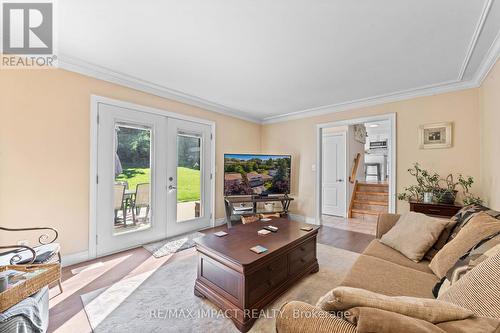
x: 66, y: 309
x: 366, y: 224
x: 344, y: 239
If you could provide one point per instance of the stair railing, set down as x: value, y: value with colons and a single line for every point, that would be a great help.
x: 354, y: 171
x: 353, y: 197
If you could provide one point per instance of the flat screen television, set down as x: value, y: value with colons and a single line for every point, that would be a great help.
x: 251, y: 174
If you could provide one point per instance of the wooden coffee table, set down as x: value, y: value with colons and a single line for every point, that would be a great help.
x: 241, y: 282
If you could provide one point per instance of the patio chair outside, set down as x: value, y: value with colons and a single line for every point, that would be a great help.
x: 141, y: 200
x: 119, y: 195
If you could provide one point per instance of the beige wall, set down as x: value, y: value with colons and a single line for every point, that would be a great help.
x: 44, y: 148
x: 490, y: 137
x: 298, y: 137
x: 44, y: 145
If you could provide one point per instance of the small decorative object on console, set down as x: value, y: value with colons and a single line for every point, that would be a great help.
x: 263, y: 232
x: 220, y: 233
x: 258, y: 249
x: 249, y: 219
x: 271, y: 228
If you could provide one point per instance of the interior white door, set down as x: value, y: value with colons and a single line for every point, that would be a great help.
x: 333, y: 174
x: 189, y: 169
x: 131, y: 187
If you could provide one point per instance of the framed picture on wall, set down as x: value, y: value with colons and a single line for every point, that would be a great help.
x: 438, y: 135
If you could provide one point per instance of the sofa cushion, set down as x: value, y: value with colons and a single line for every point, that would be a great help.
x: 382, y: 251
x: 479, y: 289
x: 442, y: 240
x: 485, y: 249
x: 390, y: 279
x: 369, y: 320
x: 431, y: 310
x: 463, y: 216
x: 414, y: 234
x: 480, y: 226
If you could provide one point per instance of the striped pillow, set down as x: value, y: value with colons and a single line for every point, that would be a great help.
x: 463, y: 216
x: 479, y: 289
x: 485, y: 249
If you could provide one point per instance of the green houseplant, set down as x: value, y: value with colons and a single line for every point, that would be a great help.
x: 443, y: 190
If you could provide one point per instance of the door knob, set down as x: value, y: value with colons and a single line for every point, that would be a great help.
x: 340, y: 180
x: 172, y: 187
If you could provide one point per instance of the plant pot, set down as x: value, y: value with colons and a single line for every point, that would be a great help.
x: 428, y: 196
x: 447, y: 197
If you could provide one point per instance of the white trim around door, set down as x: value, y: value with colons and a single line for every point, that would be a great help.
x: 95, y: 102
x: 391, y: 117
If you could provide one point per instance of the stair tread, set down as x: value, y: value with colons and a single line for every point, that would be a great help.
x: 373, y: 184
x: 372, y: 193
x: 372, y: 202
x: 368, y: 212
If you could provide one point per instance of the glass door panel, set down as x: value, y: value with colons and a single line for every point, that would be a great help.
x: 189, y: 199
x: 132, y: 187
x: 189, y: 152
x: 131, y: 178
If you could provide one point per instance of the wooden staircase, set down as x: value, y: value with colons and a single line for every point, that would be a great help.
x: 369, y: 200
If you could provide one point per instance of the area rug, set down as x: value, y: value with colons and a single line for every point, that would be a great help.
x: 172, y: 245
x: 163, y: 300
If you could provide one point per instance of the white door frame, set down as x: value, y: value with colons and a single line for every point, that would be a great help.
x: 346, y: 161
x: 391, y: 117
x: 95, y: 100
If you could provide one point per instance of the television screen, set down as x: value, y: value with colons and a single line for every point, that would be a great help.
x: 248, y: 174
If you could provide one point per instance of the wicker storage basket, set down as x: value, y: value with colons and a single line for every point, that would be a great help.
x: 11, y: 296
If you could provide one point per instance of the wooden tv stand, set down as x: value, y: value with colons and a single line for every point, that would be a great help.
x: 230, y: 203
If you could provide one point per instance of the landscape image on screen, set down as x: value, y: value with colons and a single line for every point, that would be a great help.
x: 246, y: 174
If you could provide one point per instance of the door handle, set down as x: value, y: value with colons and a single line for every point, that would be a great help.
x: 172, y: 187
x: 340, y: 180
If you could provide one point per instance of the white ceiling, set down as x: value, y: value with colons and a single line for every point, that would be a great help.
x: 274, y: 60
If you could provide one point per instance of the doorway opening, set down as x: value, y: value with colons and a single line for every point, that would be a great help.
x: 356, y: 172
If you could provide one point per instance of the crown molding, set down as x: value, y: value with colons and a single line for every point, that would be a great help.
x: 475, y: 38
x: 489, y: 61
x: 101, y: 73
x: 85, y: 68
x: 375, y: 100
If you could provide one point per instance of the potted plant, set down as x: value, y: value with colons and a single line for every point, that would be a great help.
x: 446, y: 194
x: 469, y: 198
x: 426, y: 184
x: 441, y: 190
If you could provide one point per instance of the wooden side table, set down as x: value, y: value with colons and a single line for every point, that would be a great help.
x: 435, y: 209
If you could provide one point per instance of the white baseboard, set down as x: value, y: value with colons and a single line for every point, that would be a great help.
x: 302, y: 218
x: 220, y: 221
x: 74, y: 258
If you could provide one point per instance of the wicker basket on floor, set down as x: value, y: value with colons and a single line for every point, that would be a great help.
x: 11, y: 296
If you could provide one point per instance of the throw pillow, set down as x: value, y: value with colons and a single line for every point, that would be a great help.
x: 478, y: 290
x: 369, y: 320
x: 463, y: 216
x: 480, y: 226
x: 414, y: 234
x: 431, y: 310
x: 485, y: 249
x: 442, y: 240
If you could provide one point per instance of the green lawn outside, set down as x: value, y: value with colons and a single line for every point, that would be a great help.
x: 188, y: 181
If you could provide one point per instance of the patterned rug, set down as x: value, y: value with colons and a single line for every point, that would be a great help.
x: 163, y: 301
x: 172, y: 245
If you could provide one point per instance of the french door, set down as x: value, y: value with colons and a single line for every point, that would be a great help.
x: 153, y: 177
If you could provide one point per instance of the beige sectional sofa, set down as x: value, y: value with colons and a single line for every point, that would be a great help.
x: 379, y: 269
